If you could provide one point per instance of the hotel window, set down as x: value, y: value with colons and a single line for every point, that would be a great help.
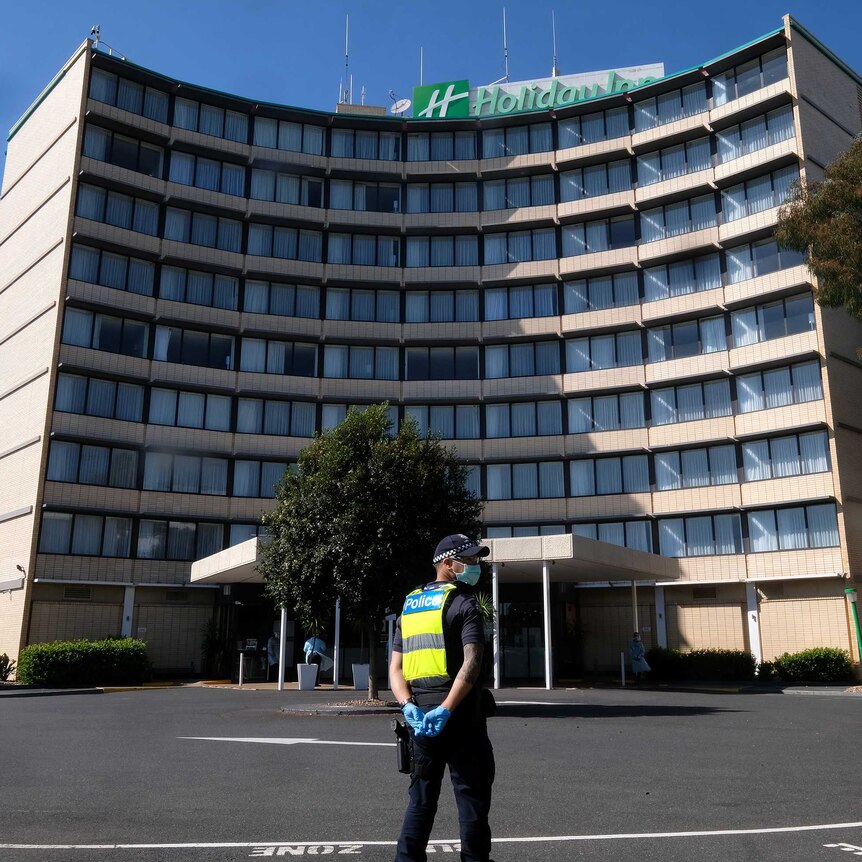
x: 755, y: 134
x: 695, y: 468
x: 759, y: 258
x: 122, y: 151
x: 674, y: 161
x: 286, y: 243
x: 608, y: 291
x: 523, y: 530
x: 793, y: 528
x: 516, y: 141
x: 286, y: 188
x: 604, y: 351
x: 178, y: 540
x: 280, y: 418
x: 592, y: 477
x: 192, y: 347
x: 113, y: 208
x: 362, y: 249
x: 284, y: 135
x: 210, y: 120
x: 518, y: 192
x: 441, y: 363
x: 521, y: 245
x: 627, y: 534
x: 525, y: 481
x: 606, y: 412
x: 286, y: 300
x: 199, y: 288
x: 707, y: 400
x: 689, y: 338
x: 796, y: 455
x: 90, y: 396
x: 522, y: 360
x: 773, y: 320
x: 527, y: 419
x: 189, y: 409
x: 382, y: 306
x: 441, y: 146
x: 185, y: 474
x: 675, y: 219
x: 749, y: 77
x: 759, y: 194
x: 129, y: 95
x: 600, y: 235
x: 515, y: 303
x: 364, y: 144
x: 448, y: 422
x: 669, y: 107
x: 778, y: 387
x: 278, y: 357
x: 591, y: 128
x: 595, y: 180
x: 211, y: 174
x: 682, y: 277
x: 206, y: 230
x: 103, y: 332
x: 333, y: 415
x: 85, y: 535
x: 257, y: 478
x: 442, y: 197
x: 111, y: 270
x: 360, y: 363
x: 442, y: 251
x: 92, y: 465
x: 700, y: 536
x: 441, y: 306
x: 364, y: 197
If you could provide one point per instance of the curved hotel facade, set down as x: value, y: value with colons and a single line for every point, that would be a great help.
x: 585, y: 300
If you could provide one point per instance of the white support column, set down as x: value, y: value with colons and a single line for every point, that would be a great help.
x: 390, y: 636
x: 128, y: 612
x: 546, y: 615
x: 336, y: 649
x: 495, y: 601
x: 635, y: 624
x: 660, y: 621
x: 753, y: 617
x: 282, y: 648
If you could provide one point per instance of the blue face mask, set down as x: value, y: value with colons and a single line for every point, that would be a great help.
x: 470, y: 575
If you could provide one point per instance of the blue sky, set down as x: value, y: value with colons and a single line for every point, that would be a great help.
x: 292, y: 51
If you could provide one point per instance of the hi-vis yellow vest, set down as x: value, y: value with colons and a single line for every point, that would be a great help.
x: 422, y: 645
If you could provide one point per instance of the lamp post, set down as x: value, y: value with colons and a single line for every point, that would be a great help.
x: 852, y: 597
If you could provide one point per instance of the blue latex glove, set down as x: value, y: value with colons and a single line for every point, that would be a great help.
x: 435, y: 721
x: 414, y: 716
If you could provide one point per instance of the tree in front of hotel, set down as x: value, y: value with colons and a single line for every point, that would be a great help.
x: 824, y: 220
x: 359, y: 519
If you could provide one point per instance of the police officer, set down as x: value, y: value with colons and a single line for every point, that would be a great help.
x: 435, y: 672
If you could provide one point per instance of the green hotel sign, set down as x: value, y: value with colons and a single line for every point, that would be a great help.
x: 455, y: 99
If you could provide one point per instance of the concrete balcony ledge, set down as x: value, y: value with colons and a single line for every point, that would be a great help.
x: 682, y: 244
x: 517, y: 215
x: 719, y: 428
x: 300, y: 328
x: 179, y: 194
x: 758, y: 222
x: 118, y: 300
x: 791, y: 348
x: 384, y: 168
x: 737, y: 169
x: 627, y: 316
x: 286, y: 159
x: 607, y: 442
x: 787, y: 418
x: 600, y: 205
x: 125, y: 241
x: 127, y: 118
x: 613, y: 259
x: 684, y: 501
x: 290, y: 212
x: 546, y: 269
x: 683, y: 305
x: 458, y: 169
x: 295, y: 270
x: 124, y: 176
x: 667, y: 132
x: 788, y: 489
x: 438, y: 221
x: 680, y: 186
x: 759, y: 100
x: 628, y: 377
x: 590, y: 152
x: 505, y: 387
x: 511, y: 163
x: 774, y: 282
x: 336, y: 219
x: 703, y: 365
x: 440, y: 275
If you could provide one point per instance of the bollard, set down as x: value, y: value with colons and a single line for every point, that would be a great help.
x: 623, y: 668
x: 241, y: 663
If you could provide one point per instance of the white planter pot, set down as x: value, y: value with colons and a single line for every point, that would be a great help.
x: 307, y: 676
x: 360, y: 677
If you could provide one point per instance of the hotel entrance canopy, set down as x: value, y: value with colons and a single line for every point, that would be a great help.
x: 563, y: 558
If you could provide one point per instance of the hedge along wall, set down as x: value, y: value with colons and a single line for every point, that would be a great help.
x: 70, y: 663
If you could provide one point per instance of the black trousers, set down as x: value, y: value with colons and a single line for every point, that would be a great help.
x: 465, y: 748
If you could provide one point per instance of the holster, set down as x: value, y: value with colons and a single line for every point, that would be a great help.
x: 403, y: 749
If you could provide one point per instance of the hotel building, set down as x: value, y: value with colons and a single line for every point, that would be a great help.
x: 584, y: 299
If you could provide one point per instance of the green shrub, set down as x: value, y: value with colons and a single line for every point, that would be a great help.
x: 704, y: 664
x: 112, y: 661
x: 822, y: 664
x: 766, y: 670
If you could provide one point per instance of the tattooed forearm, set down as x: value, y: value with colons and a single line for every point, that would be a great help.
x: 471, y: 670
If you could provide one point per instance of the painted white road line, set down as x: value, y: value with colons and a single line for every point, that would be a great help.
x: 537, y: 839
x: 537, y: 703
x: 284, y: 740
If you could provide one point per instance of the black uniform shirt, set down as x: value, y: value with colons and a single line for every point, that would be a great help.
x: 462, y: 625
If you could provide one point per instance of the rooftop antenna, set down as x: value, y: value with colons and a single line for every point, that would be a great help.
x: 362, y: 95
x: 554, y: 70
x: 421, y: 66
x: 398, y: 106
x: 96, y: 33
x: 505, y: 78
x: 347, y: 94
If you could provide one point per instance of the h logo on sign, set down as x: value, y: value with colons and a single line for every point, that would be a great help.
x: 449, y: 99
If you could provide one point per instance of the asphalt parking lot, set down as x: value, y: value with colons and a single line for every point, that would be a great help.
x: 204, y: 774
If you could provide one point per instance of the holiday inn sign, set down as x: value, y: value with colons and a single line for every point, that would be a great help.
x: 455, y: 99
